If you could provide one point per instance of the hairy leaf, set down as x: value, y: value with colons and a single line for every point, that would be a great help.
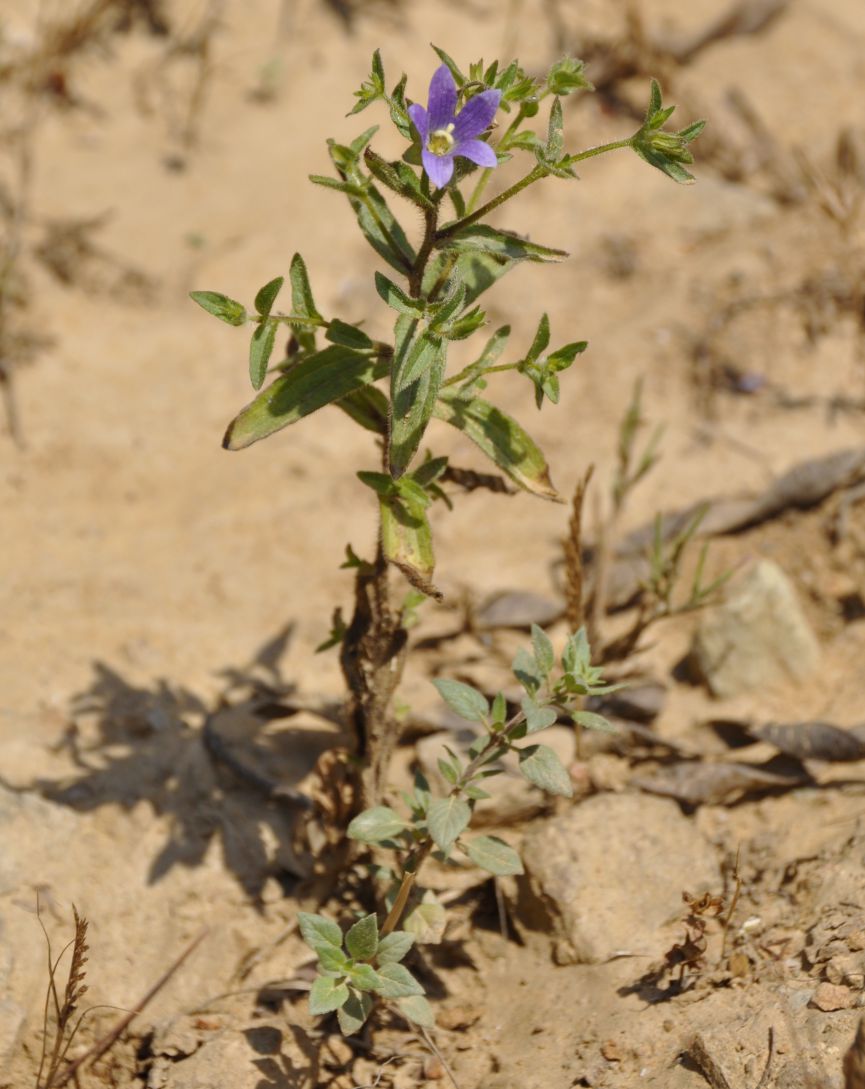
x: 446, y: 819
x: 354, y: 1012
x: 376, y: 825
x: 317, y: 931
x: 327, y: 994
x: 394, y: 946
x: 362, y: 939
x: 462, y: 698
x: 540, y: 765
x: 221, y: 306
x: 494, y: 855
x: 397, y: 982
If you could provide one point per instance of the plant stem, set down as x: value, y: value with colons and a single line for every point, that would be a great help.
x: 534, y: 175
x: 599, y: 149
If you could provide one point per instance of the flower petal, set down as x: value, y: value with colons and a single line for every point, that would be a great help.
x: 477, y: 151
x: 439, y: 168
x: 476, y: 115
x: 442, y: 98
x: 420, y: 119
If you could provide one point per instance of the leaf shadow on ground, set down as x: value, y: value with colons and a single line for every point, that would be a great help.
x: 223, y: 773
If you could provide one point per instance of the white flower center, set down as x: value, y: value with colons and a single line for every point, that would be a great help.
x: 441, y: 141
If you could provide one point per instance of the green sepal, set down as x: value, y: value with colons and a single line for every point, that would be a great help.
x: 318, y: 380
x: 221, y: 306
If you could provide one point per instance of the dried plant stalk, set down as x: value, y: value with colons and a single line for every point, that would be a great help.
x: 574, y: 574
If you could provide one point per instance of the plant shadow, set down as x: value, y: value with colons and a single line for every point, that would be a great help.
x: 229, y: 773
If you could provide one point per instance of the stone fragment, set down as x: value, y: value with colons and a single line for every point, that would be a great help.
x: 517, y: 609
x: 759, y: 636
x: 832, y: 996
x: 612, y: 872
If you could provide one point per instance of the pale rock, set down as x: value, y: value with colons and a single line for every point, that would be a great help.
x: 759, y: 636
x: 611, y: 873
x: 265, y: 1054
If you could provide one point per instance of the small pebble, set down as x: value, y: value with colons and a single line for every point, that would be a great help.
x: 831, y: 996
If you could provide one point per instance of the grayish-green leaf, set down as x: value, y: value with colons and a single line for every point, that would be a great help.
x: 318, y: 930
x: 427, y: 921
x: 543, y: 648
x: 327, y: 994
x: 354, y: 1012
x: 376, y: 825
x: 462, y: 698
x: 394, y: 946
x: 364, y: 977
x: 362, y: 939
x: 593, y: 722
x: 416, y: 1008
x: 396, y: 298
x: 540, y: 765
x: 447, y: 818
x: 537, y: 718
x: 396, y: 981
x: 494, y: 855
x: 332, y: 959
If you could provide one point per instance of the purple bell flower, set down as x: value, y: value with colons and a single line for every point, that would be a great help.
x: 444, y: 133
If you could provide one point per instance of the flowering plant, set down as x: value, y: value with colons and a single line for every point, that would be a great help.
x: 394, y: 390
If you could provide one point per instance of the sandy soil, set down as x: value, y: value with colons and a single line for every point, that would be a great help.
x: 146, y: 568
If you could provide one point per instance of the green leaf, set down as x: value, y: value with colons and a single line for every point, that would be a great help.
x: 302, y: 302
x: 406, y: 540
x: 362, y: 939
x: 394, y: 946
x: 377, y: 223
x: 499, y: 709
x: 447, y: 818
x: 537, y: 718
x: 398, y: 177
x: 308, y: 386
x: 494, y: 855
x: 593, y: 722
x: 368, y: 407
x: 376, y: 825
x: 416, y: 1008
x: 555, y: 134
x: 448, y: 771
x: 332, y: 959
x: 266, y: 297
x: 364, y: 977
x: 396, y: 298
x: 459, y: 78
x: 349, y: 336
x: 540, y: 765
x: 543, y: 648
x: 501, y: 438
x: 541, y: 340
x: 465, y: 700
x: 396, y: 981
x: 416, y: 377
x: 327, y: 994
x: 260, y: 349
x: 354, y: 1012
x: 526, y: 671
x: 318, y: 931
x: 481, y: 238
x: 221, y: 306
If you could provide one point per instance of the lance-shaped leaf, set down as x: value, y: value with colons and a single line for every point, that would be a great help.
x: 302, y: 302
x: 540, y: 765
x: 367, y: 406
x: 481, y: 238
x: 221, y: 306
x: 416, y: 377
x: 319, y: 380
x: 362, y: 939
x: 501, y: 438
x: 396, y: 298
x: 349, y: 336
x: 260, y: 349
x: 378, y: 224
x: 399, y: 177
x: 376, y: 825
x: 406, y: 540
x: 266, y: 296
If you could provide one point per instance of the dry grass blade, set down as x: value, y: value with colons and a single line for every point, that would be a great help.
x: 854, y: 1060
x: 113, y: 1035
x: 574, y: 573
